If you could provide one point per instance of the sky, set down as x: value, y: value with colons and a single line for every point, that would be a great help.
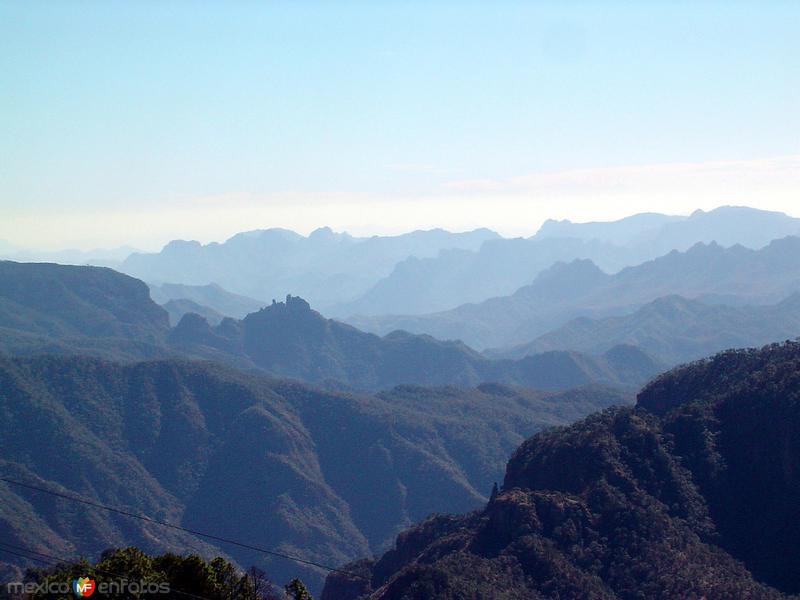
x: 140, y: 122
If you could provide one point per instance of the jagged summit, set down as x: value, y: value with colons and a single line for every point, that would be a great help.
x: 291, y: 304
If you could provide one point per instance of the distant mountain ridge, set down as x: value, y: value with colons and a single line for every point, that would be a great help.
x: 500, y: 267
x: 99, y: 257
x: 428, y: 271
x: 726, y: 225
x: 88, y: 310
x: 326, y: 267
x: 454, y: 277
x: 692, y: 494
x: 289, y: 339
x: 623, y: 231
x: 673, y: 329
x: 176, y: 309
x: 566, y: 291
x: 211, y: 296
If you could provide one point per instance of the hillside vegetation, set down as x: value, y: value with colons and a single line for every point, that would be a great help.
x: 329, y: 477
x: 691, y: 494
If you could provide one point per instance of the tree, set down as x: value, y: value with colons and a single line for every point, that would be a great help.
x: 297, y: 591
x: 130, y: 573
x: 260, y: 587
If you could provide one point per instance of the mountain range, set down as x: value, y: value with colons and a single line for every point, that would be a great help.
x: 705, y: 272
x: 691, y: 494
x: 454, y: 277
x: 501, y: 266
x: 97, y: 311
x: 208, y: 299
x: 269, y: 423
x: 67, y: 309
x: 673, y: 329
x: 326, y: 267
x: 178, y: 308
x: 289, y: 339
x: 658, y: 234
x: 327, y: 477
x: 429, y: 271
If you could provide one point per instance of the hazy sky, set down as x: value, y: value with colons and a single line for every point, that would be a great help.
x: 138, y: 122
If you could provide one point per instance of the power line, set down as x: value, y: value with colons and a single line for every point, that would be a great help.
x: 46, y: 562
x: 60, y: 560
x: 210, y: 536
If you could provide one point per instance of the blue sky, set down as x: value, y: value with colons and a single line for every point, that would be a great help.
x: 137, y: 122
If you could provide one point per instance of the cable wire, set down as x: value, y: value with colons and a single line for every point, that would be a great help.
x: 209, y: 536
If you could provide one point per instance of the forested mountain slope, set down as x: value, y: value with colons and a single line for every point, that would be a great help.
x: 691, y: 494
x: 329, y: 477
x: 57, y: 308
